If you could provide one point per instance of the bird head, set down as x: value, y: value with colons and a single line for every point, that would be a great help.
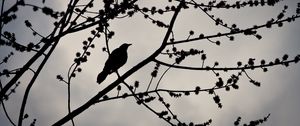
x: 125, y: 45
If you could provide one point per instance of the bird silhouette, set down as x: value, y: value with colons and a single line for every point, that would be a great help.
x: 116, y: 59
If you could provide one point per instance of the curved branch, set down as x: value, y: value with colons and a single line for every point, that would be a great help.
x: 55, y: 40
x: 233, y: 33
x: 5, y: 111
x: 164, y: 91
x: 26, y: 94
x: 164, y: 73
x: 22, y: 70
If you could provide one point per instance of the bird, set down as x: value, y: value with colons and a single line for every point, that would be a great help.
x: 116, y: 59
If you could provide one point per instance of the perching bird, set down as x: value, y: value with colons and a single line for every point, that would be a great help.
x: 116, y: 59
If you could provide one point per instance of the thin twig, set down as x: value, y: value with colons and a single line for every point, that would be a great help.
x: 169, y: 67
x: 222, y: 68
x: 4, y: 108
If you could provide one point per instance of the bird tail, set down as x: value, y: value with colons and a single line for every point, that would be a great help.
x: 101, y: 77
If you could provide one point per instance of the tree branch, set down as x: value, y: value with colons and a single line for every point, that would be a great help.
x: 288, y: 19
x: 224, y: 68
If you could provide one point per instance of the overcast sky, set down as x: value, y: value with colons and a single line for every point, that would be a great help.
x: 278, y: 94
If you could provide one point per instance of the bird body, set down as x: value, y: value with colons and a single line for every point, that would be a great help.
x: 116, y: 59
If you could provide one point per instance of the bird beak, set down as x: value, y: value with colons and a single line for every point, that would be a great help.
x: 129, y: 44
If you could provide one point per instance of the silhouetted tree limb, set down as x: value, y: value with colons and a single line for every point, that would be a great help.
x: 288, y: 19
x: 5, y: 111
x: 245, y: 67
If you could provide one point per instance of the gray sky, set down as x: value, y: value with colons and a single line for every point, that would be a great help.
x: 278, y: 94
